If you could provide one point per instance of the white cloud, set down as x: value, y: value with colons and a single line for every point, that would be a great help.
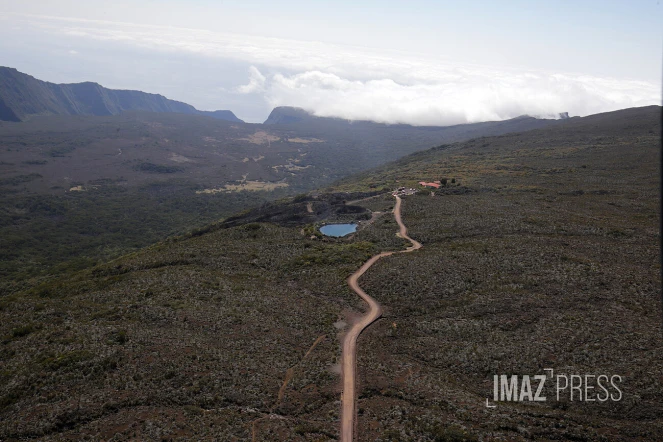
x: 472, y: 98
x: 362, y: 84
x: 256, y: 82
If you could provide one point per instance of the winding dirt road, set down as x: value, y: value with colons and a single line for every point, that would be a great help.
x: 349, y: 356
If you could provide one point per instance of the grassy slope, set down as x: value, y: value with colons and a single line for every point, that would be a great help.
x: 207, y: 323
x: 532, y: 261
x: 551, y: 259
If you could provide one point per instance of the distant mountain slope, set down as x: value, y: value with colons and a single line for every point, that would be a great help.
x: 222, y: 115
x: 23, y: 96
x: 299, y: 118
x: 287, y: 115
x: 451, y: 159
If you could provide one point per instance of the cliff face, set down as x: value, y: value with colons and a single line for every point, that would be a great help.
x: 23, y: 96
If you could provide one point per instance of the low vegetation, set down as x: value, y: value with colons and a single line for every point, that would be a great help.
x: 139, y: 177
x: 543, y: 253
x: 551, y: 259
x: 43, y: 235
x: 156, y: 168
x: 189, y: 334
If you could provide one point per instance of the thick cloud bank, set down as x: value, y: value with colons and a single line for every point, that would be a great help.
x: 469, y: 98
x: 363, y: 84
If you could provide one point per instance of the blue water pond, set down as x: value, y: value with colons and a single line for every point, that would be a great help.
x: 338, y: 230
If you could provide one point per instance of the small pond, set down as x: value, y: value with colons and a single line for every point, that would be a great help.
x: 338, y: 230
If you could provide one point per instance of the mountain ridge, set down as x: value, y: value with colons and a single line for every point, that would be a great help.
x: 294, y: 114
x: 287, y: 115
x: 23, y: 96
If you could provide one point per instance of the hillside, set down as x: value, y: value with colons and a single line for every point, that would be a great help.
x: 23, y: 96
x: 287, y: 115
x: 366, y: 138
x: 149, y: 175
x: 544, y: 253
x: 541, y: 251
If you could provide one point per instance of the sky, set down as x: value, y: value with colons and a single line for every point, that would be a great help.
x: 416, y: 62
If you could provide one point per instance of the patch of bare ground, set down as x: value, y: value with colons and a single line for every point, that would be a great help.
x: 304, y: 140
x: 179, y: 158
x: 251, y: 186
x: 260, y: 137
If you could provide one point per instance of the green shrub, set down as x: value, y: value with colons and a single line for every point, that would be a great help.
x: 156, y: 168
x: 64, y: 360
x: 25, y: 330
x: 19, y: 179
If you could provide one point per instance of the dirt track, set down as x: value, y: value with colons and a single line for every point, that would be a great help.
x: 349, y: 356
